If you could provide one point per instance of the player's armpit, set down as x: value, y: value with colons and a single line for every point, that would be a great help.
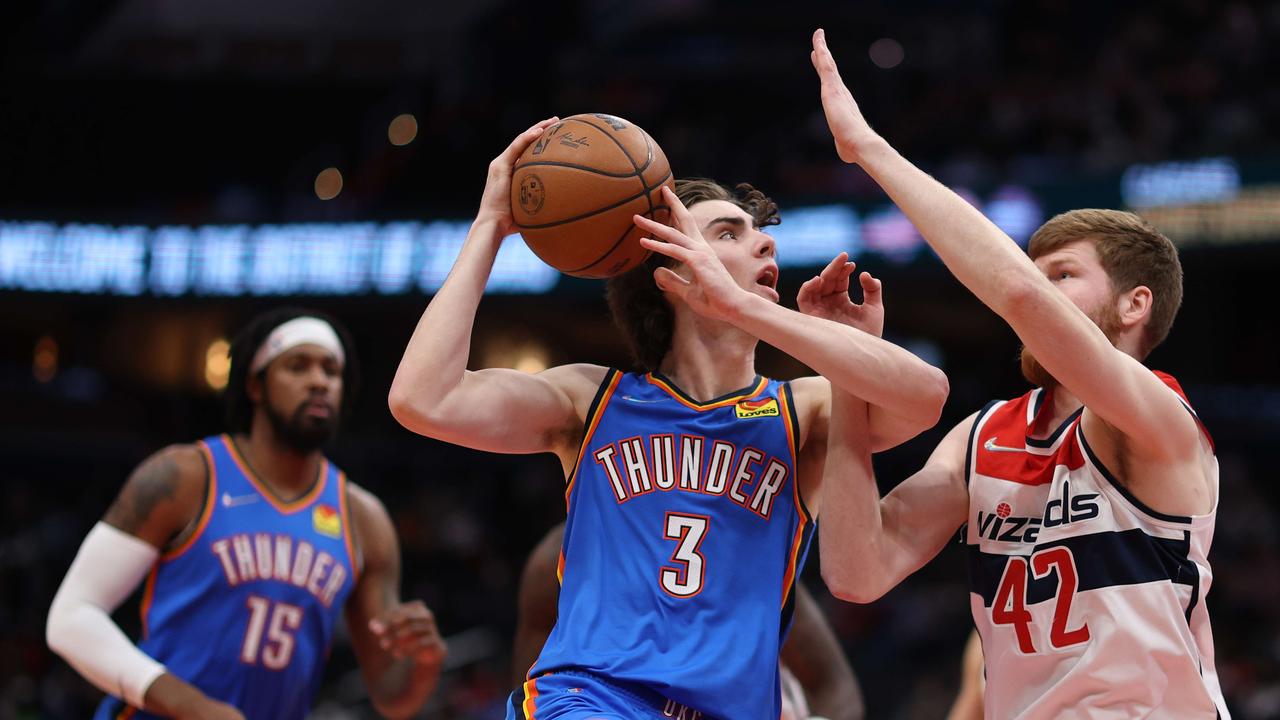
x: 162, y: 497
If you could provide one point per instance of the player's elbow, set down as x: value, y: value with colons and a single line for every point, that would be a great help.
x: 58, y: 633
x: 934, y: 391
x: 400, y: 403
x: 850, y: 584
x: 1019, y: 296
x: 410, y: 413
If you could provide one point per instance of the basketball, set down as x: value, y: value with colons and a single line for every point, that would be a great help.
x: 576, y: 188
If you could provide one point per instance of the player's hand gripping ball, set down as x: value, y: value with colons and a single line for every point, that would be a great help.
x: 576, y: 188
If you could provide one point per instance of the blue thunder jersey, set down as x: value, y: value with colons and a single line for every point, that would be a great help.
x: 684, y: 540
x: 245, y: 609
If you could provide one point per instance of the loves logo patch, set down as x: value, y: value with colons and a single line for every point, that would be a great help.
x: 767, y: 407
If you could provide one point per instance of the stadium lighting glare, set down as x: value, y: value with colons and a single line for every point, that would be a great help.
x: 531, y: 359
x: 328, y: 183
x: 403, y: 129
x: 217, y: 364
x: 44, y: 360
x: 886, y: 53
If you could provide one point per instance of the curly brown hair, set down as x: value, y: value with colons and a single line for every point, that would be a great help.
x: 638, y: 307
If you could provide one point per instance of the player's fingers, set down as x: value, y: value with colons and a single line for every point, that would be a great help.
x: 411, y: 632
x: 672, y: 240
x: 821, y: 55
x: 869, y: 283
x: 809, y: 291
x: 680, y: 214
x: 834, y: 266
x: 525, y: 139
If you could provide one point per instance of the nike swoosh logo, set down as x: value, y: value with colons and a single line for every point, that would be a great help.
x: 993, y: 447
x: 228, y: 501
x: 638, y: 400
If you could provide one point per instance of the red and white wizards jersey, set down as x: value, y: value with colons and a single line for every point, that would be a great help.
x: 1089, y: 603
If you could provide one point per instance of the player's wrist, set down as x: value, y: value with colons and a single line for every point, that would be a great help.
x: 737, y: 306
x: 865, y: 146
x: 170, y: 696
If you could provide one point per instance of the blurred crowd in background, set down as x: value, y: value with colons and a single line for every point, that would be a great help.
x: 172, y: 112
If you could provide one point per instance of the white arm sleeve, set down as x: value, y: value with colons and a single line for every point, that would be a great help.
x: 110, y: 565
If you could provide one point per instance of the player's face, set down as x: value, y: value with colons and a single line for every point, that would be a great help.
x: 1076, y: 271
x: 302, y: 396
x: 748, y: 254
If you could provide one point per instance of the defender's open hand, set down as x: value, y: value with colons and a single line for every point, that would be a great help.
x: 848, y: 127
x: 826, y: 295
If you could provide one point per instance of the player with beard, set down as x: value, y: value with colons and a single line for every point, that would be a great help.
x: 1088, y: 504
x: 251, y: 544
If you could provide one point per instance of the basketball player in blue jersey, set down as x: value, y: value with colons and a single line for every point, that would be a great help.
x: 1088, y: 504
x: 252, y: 544
x: 692, y: 487
x: 822, y: 682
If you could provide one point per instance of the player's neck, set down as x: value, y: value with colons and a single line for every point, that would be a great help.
x: 289, y: 472
x: 1064, y: 403
x: 709, y: 359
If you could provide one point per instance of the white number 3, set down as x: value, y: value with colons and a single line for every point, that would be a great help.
x: 685, y: 579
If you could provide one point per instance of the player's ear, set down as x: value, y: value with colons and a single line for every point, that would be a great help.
x: 253, y: 386
x: 1135, y: 305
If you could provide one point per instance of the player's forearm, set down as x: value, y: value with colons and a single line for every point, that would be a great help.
x: 858, y: 363
x: 106, y: 570
x: 977, y: 252
x: 404, y: 687
x: 851, y: 536
x: 435, y: 360
x: 838, y: 701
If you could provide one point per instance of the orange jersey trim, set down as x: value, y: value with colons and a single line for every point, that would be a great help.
x: 732, y: 400
x: 793, y: 441
x: 788, y: 578
x: 530, y: 705
x: 148, y: 595
x: 210, y: 500
x: 593, y: 421
x: 347, y: 529
x: 263, y: 489
x: 127, y: 713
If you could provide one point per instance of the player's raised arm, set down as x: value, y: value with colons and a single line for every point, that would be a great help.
x: 496, y: 410
x: 869, y: 544
x: 1067, y: 342
x: 860, y: 363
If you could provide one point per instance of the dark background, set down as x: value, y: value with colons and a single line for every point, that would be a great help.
x: 175, y: 112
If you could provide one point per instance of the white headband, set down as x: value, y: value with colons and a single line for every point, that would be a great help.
x: 298, y: 331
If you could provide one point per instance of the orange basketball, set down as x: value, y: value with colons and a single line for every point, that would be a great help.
x: 577, y: 187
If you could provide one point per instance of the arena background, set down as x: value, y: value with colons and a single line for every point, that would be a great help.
x: 161, y: 181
